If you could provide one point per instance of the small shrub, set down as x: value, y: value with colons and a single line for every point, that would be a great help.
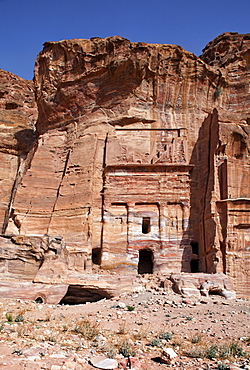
x: 109, y: 350
x: 218, y: 92
x: 212, y: 352
x: 9, y: 317
x: 166, y: 336
x: 155, y: 342
x: 222, y: 366
x: 236, y: 350
x: 122, y: 329
x: 126, y: 350
x: 224, y: 351
x: 19, y: 318
x: 142, y: 334
x: 196, y: 338
x: 87, y: 329
x: 130, y: 308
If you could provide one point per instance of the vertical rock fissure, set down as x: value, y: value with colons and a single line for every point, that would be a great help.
x: 206, y: 193
x: 103, y: 188
x: 59, y: 187
x: 12, y: 196
x: 22, y: 166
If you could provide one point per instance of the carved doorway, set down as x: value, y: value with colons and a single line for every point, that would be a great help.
x: 96, y: 256
x: 145, y: 264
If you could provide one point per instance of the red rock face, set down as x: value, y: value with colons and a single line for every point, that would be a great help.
x: 18, y: 113
x: 142, y: 161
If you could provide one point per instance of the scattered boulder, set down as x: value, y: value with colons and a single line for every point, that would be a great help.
x: 168, y: 355
x: 195, y: 285
x: 102, y: 362
x: 211, y: 287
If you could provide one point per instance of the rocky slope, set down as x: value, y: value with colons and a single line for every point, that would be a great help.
x: 211, y: 334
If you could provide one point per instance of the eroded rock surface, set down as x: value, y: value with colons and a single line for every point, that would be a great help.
x: 18, y: 114
x: 142, y: 159
x: 200, y: 284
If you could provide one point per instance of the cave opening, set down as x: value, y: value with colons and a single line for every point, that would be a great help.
x: 40, y: 300
x: 145, y: 265
x: 11, y: 105
x: 78, y: 294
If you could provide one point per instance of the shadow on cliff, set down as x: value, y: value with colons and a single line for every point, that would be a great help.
x: 26, y: 143
x: 25, y: 140
x: 198, y: 252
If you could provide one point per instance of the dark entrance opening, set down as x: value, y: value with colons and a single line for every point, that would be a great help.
x: 146, y: 225
x: 194, y: 263
x: 96, y: 256
x: 78, y: 294
x: 39, y: 300
x: 145, y: 265
x: 195, y: 247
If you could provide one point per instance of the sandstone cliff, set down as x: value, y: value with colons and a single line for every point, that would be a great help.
x: 140, y: 161
x: 18, y: 115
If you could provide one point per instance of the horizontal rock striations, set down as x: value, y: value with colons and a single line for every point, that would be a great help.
x: 140, y: 159
x: 18, y: 115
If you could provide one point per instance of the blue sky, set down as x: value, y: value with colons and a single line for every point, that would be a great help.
x: 26, y: 24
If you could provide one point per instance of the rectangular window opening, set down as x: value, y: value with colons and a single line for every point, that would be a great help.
x: 146, y: 225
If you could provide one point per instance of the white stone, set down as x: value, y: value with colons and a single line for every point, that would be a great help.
x: 55, y: 367
x: 100, y: 338
x: 102, y: 362
x: 121, y: 305
x: 168, y: 355
x: 33, y: 358
x: 57, y: 355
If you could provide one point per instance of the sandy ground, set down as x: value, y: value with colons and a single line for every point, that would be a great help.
x: 213, y: 333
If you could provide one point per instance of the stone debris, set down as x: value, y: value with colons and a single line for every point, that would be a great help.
x: 200, y: 284
x: 166, y: 331
x: 102, y: 362
x: 121, y: 305
x: 132, y: 363
x: 168, y: 355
